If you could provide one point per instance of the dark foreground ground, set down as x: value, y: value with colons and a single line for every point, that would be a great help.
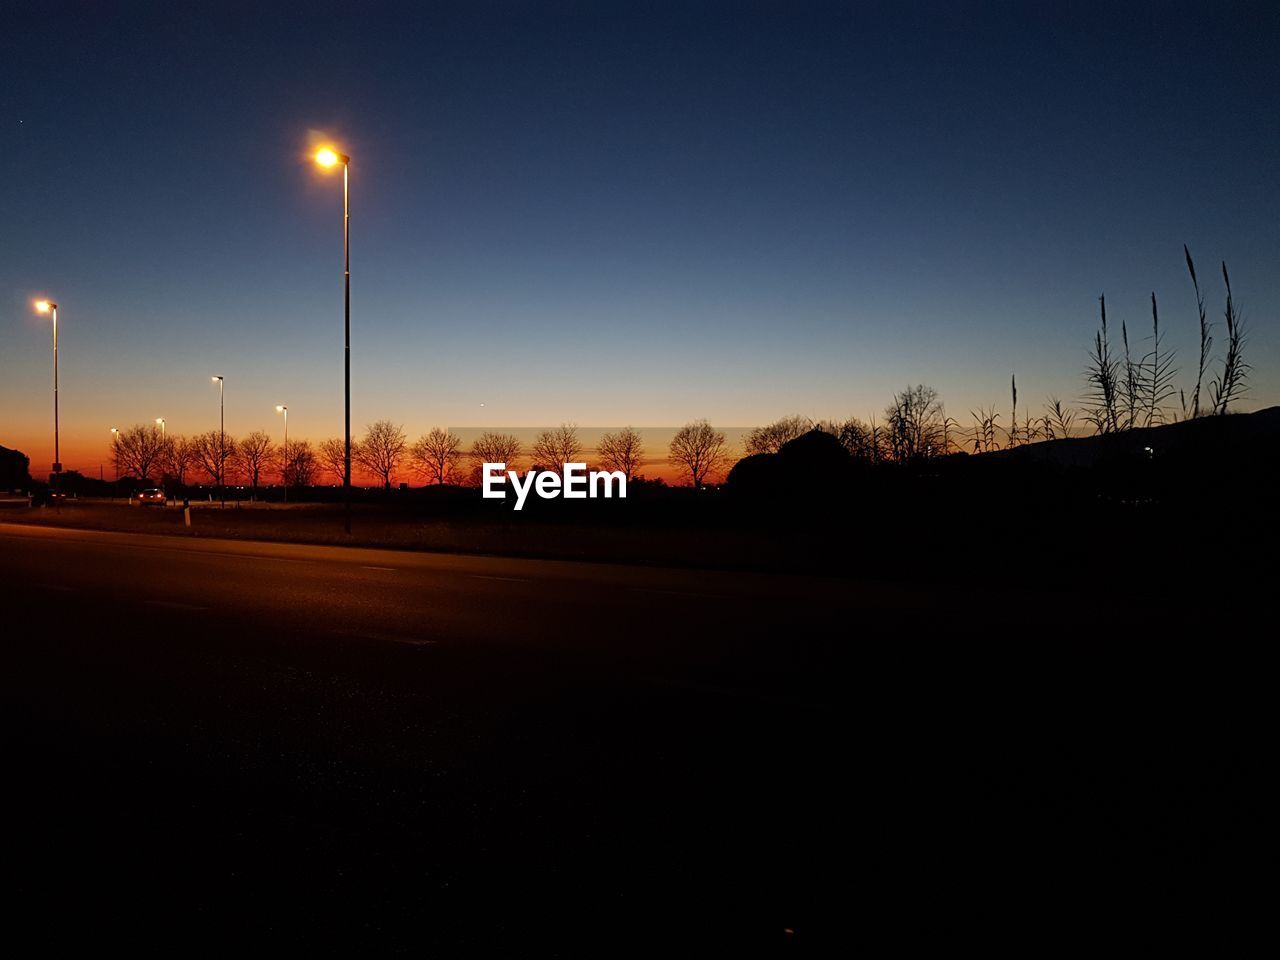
x: 217, y: 744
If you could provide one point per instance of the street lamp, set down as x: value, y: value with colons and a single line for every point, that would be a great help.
x: 284, y: 471
x: 46, y: 306
x: 222, y: 441
x: 160, y: 420
x: 115, y: 455
x: 327, y: 157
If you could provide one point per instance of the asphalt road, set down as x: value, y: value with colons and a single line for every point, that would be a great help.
x: 224, y: 742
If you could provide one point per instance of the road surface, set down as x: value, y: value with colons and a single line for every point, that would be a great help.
x: 285, y: 745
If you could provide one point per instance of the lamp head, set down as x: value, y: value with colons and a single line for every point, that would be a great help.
x: 44, y: 306
x: 328, y: 157
x: 281, y: 408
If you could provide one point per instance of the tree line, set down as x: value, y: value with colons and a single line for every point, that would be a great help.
x: 1125, y: 389
x: 147, y: 453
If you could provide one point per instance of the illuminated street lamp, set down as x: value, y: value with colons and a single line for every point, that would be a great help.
x: 160, y: 420
x: 222, y: 442
x: 327, y: 157
x: 284, y: 472
x: 46, y: 306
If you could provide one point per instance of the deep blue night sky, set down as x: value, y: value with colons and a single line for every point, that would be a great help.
x: 607, y: 214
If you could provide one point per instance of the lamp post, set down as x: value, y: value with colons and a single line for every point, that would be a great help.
x: 48, y: 306
x: 222, y: 439
x: 284, y: 457
x: 331, y: 158
x: 115, y: 455
x: 160, y: 420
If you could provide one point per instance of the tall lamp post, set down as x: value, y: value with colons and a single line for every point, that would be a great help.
x: 115, y: 455
x: 48, y: 306
x: 160, y: 420
x: 222, y: 439
x: 284, y: 472
x: 331, y: 158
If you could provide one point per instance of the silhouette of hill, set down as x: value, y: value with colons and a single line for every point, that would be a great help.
x: 1237, y: 436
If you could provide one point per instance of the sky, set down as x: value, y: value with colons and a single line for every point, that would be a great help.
x: 612, y: 213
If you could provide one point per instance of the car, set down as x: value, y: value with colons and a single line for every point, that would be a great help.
x: 151, y: 495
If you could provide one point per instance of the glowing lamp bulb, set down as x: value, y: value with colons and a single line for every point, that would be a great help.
x: 326, y: 158
x: 42, y: 306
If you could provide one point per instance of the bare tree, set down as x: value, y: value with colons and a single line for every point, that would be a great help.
x: 552, y: 449
x: 179, y: 455
x: 381, y: 449
x: 139, y: 450
x: 622, y: 450
x: 256, y: 451
x: 855, y: 436
x: 771, y: 437
x: 299, y: 464
x: 436, y: 455
x: 333, y: 458
x: 915, y: 424
x: 212, y: 457
x: 492, y: 447
x: 699, y: 450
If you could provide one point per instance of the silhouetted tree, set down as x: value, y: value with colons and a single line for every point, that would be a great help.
x: 333, y: 458
x: 435, y: 455
x: 15, y: 469
x: 299, y: 464
x: 381, y: 449
x: 139, y: 449
x: 256, y: 451
x: 771, y: 437
x: 492, y: 447
x: 622, y: 450
x: 699, y: 450
x: 179, y: 455
x: 855, y: 436
x: 915, y: 424
x: 552, y: 449
x: 213, y: 457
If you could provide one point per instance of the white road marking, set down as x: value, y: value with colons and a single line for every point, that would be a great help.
x: 365, y: 566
